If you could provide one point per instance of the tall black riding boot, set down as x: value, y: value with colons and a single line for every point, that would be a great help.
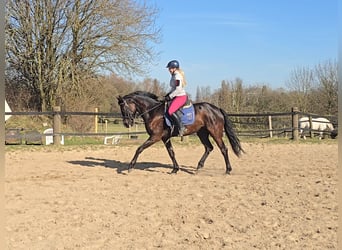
x: 176, y: 120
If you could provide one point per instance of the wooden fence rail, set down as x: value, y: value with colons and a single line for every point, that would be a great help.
x: 265, y: 124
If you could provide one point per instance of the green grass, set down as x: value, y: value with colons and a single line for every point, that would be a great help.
x: 96, y: 143
x: 283, y: 140
x: 34, y: 123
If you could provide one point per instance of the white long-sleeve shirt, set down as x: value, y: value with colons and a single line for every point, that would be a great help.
x: 176, y: 84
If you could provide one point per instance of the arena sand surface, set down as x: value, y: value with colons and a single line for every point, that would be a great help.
x: 279, y: 196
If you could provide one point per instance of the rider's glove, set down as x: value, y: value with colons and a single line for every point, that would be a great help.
x: 167, y: 98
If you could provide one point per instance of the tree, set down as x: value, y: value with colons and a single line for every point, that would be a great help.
x: 326, y: 75
x: 154, y: 86
x: 55, y: 46
x: 237, y: 95
x: 231, y: 96
x: 224, y: 95
x: 315, y: 90
x: 203, y: 94
x: 301, y: 84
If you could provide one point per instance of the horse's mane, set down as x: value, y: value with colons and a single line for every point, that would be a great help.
x: 144, y: 93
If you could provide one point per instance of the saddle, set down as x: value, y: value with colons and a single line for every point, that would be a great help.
x: 186, y: 113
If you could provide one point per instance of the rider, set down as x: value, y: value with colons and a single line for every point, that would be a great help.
x: 177, y: 94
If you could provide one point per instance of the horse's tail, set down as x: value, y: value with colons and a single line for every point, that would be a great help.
x: 233, y: 139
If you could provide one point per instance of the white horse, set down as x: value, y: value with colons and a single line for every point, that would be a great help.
x: 318, y: 125
x: 7, y: 109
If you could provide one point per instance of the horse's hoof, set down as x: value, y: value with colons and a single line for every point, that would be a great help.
x: 198, y: 169
x: 227, y: 172
x: 174, y: 171
x: 130, y: 170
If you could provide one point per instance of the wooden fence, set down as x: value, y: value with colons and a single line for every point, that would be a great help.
x: 249, y: 125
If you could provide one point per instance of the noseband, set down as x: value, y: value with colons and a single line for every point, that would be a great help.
x: 128, y: 114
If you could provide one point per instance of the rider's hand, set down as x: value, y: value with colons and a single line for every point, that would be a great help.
x: 167, y: 98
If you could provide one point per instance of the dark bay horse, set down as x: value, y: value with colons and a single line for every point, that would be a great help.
x: 209, y: 120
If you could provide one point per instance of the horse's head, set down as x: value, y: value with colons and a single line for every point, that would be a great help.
x: 128, y: 110
x: 137, y: 104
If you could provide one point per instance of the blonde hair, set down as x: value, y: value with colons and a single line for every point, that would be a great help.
x: 183, y: 76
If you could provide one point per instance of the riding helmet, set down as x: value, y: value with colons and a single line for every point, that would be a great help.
x: 173, y: 64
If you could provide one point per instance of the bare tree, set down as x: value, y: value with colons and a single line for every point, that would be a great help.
x: 203, y: 94
x: 301, y: 84
x: 315, y: 90
x: 237, y: 94
x: 224, y: 96
x: 154, y: 86
x: 54, y: 46
x: 198, y: 96
x: 230, y: 95
x: 326, y: 75
x: 29, y: 30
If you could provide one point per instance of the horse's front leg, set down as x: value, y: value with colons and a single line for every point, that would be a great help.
x: 168, y: 145
x: 150, y: 141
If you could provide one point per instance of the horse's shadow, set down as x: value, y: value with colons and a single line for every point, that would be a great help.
x: 122, y: 167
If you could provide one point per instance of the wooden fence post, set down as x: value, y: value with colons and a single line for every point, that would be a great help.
x: 270, y: 125
x: 295, y: 123
x: 96, y: 120
x: 57, y: 125
x: 311, y: 131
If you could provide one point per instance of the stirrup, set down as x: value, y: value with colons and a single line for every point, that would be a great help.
x: 172, y: 128
x: 181, y: 131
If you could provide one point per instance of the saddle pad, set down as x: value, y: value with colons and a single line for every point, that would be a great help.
x: 187, y: 113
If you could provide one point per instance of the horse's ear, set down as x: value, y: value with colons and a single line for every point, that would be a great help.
x: 119, y: 98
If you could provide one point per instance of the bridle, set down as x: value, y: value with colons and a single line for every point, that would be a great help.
x: 129, y: 114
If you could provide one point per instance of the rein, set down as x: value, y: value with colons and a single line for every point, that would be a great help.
x: 129, y: 114
x: 147, y: 111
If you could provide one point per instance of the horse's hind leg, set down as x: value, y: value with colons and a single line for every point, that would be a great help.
x: 171, y: 152
x: 219, y: 141
x: 224, y: 151
x: 203, y: 134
